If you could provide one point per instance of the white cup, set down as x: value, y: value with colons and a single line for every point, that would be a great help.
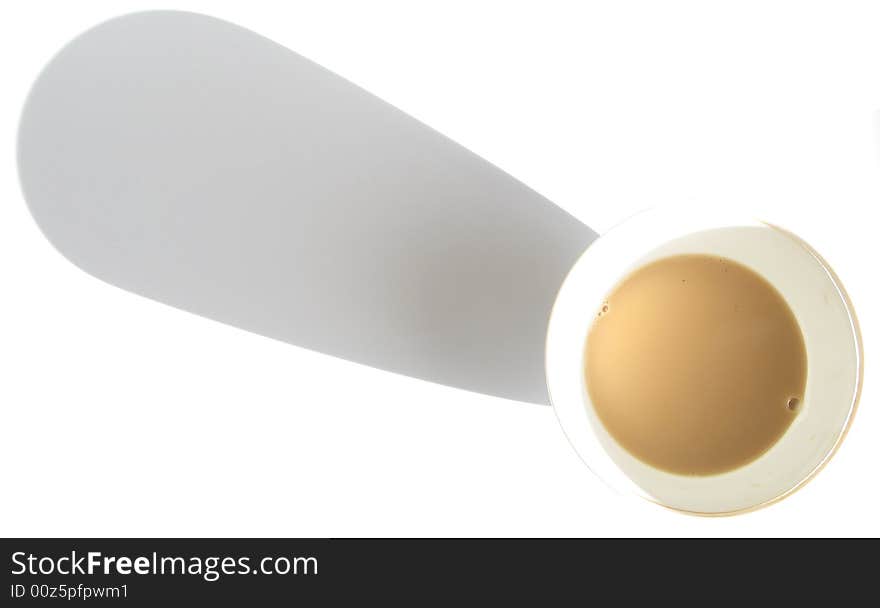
x: 818, y: 301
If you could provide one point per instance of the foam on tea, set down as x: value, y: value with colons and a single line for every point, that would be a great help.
x: 695, y: 364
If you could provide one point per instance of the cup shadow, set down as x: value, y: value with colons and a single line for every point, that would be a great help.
x: 198, y: 164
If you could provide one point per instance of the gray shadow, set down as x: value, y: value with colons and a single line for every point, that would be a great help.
x: 196, y: 163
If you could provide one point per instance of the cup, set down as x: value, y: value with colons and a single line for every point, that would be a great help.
x: 814, y: 294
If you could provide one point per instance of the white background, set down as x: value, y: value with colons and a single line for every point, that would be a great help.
x: 120, y: 416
